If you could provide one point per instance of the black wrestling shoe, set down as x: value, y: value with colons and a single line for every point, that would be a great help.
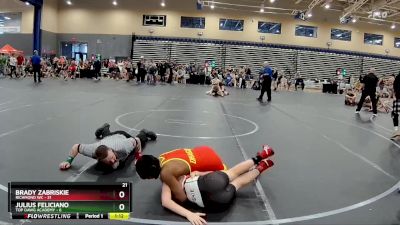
x: 99, y: 131
x: 149, y: 134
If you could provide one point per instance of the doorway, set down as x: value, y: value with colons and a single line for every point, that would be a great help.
x: 77, y: 50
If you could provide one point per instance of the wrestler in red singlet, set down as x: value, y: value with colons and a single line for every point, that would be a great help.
x: 202, y: 158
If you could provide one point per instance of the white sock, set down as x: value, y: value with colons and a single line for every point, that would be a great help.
x: 396, y: 128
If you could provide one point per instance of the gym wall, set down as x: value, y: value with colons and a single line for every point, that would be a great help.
x: 126, y: 18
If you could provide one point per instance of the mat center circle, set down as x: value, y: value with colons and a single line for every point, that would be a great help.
x: 188, y: 123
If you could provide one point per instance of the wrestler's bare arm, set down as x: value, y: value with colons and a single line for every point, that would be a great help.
x: 170, y: 175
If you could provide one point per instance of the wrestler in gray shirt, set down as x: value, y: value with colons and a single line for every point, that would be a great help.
x: 113, y: 148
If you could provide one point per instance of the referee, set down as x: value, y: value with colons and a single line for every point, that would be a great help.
x: 266, y: 79
x: 36, y: 65
x: 370, y: 81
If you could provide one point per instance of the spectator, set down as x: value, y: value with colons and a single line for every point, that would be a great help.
x: 152, y: 79
x: 181, y: 75
x: 275, y: 79
x: 3, y: 62
x: 396, y: 105
x: 13, y: 65
x: 20, y: 65
x: 284, y: 83
x: 390, y: 85
x: 299, y: 82
x: 350, y: 97
x: 141, y: 70
x: 97, y: 68
x: 229, y: 80
x: 162, y: 70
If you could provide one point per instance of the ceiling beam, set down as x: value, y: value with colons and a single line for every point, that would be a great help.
x: 393, y: 14
x: 353, y: 8
x: 314, y: 3
x: 382, y: 3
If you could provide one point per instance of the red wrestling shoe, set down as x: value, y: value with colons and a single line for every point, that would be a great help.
x: 266, y: 152
x: 264, y: 165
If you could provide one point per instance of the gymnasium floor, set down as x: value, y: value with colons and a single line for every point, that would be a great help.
x: 331, y: 167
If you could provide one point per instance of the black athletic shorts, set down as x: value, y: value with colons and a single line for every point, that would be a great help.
x: 216, y: 191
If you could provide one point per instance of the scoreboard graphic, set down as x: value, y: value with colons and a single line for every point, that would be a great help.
x: 66, y: 200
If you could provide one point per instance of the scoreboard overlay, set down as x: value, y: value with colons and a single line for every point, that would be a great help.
x: 67, y: 200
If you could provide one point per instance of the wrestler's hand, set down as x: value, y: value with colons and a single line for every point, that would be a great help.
x: 65, y: 165
x: 195, y: 218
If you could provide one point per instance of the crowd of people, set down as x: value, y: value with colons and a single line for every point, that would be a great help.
x: 143, y: 71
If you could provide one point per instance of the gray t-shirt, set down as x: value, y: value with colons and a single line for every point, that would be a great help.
x: 119, y: 143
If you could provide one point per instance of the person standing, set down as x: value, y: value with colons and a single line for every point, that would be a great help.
x: 20, y: 65
x: 396, y: 104
x: 141, y: 70
x: 36, y: 65
x: 370, y: 81
x: 163, y: 71
x: 3, y: 63
x: 97, y: 69
x: 266, y: 78
x: 13, y: 65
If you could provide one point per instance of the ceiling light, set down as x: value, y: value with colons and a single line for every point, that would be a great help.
x: 69, y: 2
x: 327, y: 6
x: 115, y: 2
x: 163, y: 3
x: 353, y: 20
x: 7, y: 18
x: 262, y: 8
x: 27, y: 3
x: 212, y: 6
x: 309, y: 14
x: 272, y: 1
x: 377, y: 13
x: 393, y: 26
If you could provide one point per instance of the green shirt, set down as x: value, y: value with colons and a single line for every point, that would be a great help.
x: 3, y: 60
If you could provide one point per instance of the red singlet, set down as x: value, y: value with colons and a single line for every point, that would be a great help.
x: 202, y: 158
